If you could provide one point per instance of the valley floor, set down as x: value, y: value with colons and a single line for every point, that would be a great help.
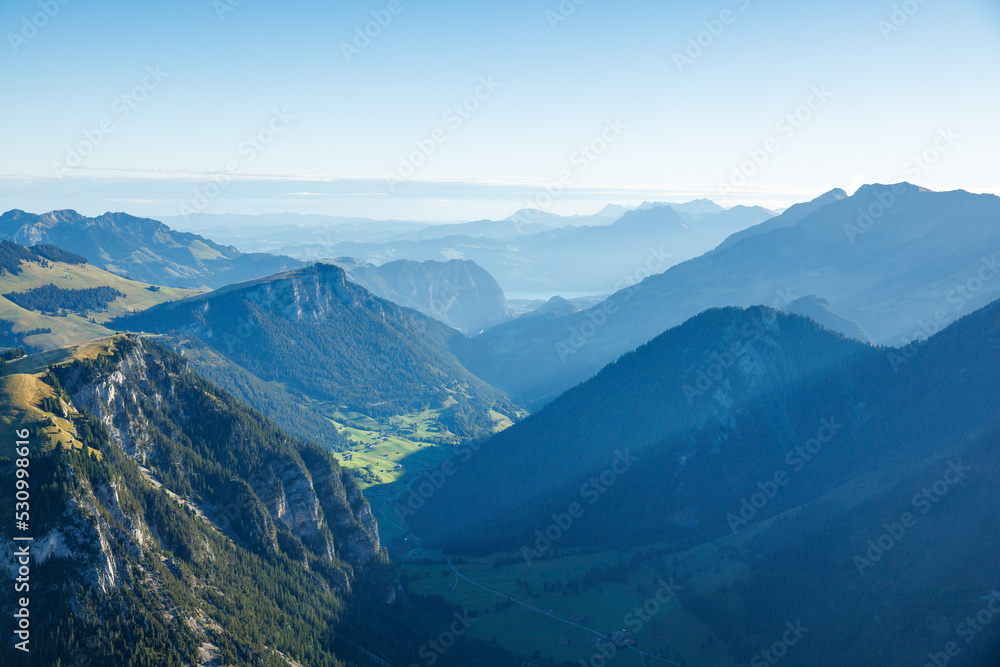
x: 567, y: 607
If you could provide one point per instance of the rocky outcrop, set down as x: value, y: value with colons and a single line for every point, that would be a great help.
x: 459, y: 293
x: 138, y: 396
x: 171, y: 520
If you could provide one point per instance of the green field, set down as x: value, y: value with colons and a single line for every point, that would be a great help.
x: 386, y: 455
x: 712, y: 569
x: 394, y: 448
x: 602, y: 606
x: 22, y: 390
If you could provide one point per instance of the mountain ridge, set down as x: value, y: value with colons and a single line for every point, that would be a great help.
x: 326, y: 338
x: 145, y: 249
x: 922, y: 250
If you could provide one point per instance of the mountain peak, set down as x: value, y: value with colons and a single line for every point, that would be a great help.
x: 695, y: 207
x: 613, y: 210
x: 657, y: 215
x: 331, y: 340
x: 62, y: 215
x: 899, y: 188
x: 713, y: 367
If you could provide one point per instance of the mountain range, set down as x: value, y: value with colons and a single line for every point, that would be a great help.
x: 317, y: 335
x: 793, y: 474
x: 460, y: 294
x: 883, y: 257
x: 52, y: 297
x: 787, y: 423
x: 142, y: 249
x: 595, y: 258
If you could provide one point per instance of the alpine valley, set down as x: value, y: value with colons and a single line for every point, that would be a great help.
x: 744, y: 433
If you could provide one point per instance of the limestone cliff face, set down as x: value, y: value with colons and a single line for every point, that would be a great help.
x: 170, y: 519
x: 346, y: 508
x: 139, y: 401
x: 314, y: 295
x: 459, y: 293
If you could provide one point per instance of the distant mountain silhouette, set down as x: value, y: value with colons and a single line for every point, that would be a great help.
x: 142, y: 249
x: 459, y: 293
x: 898, y: 260
x: 818, y: 309
x: 578, y: 257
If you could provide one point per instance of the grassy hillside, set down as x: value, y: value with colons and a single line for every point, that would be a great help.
x: 24, y: 392
x: 72, y: 327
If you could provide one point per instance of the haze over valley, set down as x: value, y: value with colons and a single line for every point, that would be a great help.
x: 557, y: 334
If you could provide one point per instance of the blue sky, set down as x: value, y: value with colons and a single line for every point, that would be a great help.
x: 260, y: 97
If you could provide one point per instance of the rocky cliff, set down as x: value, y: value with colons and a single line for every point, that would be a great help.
x: 160, y: 501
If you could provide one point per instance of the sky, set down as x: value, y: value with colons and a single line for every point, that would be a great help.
x: 409, y: 109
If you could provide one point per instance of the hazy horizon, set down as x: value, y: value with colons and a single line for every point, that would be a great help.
x: 468, y: 201
x: 322, y: 118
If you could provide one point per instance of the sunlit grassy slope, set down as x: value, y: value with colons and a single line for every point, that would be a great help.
x: 73, y: 328
x: 22, y: 392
